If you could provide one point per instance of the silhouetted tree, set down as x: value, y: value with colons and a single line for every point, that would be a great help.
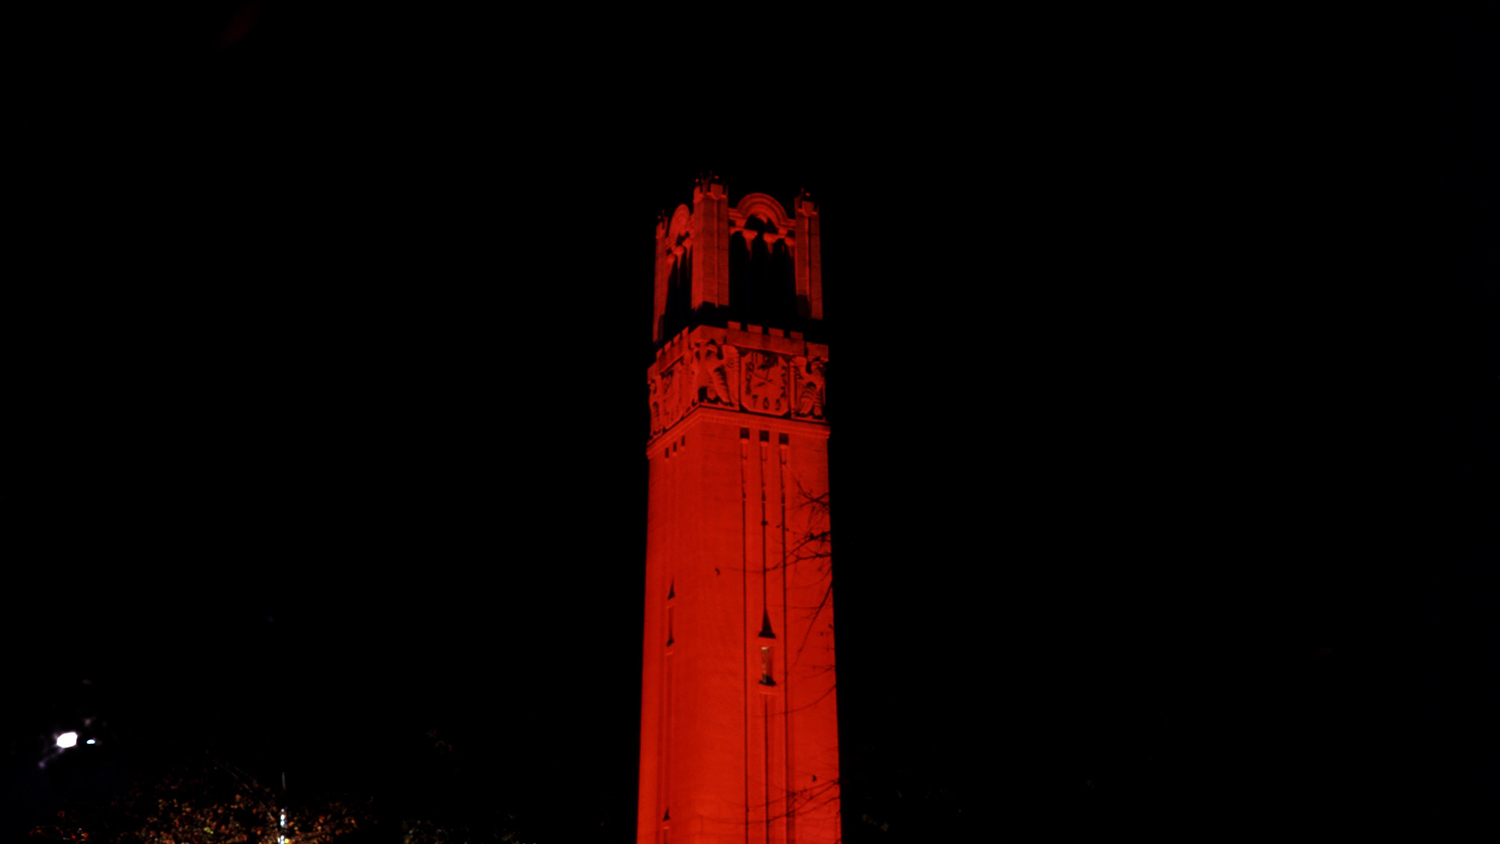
x: 203, y: 804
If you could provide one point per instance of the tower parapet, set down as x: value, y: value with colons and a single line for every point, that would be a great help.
x: 750, y: 262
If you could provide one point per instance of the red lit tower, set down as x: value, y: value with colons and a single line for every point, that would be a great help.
x: 739, y: 735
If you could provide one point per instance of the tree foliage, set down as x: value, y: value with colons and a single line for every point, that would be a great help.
x: 206, y: 805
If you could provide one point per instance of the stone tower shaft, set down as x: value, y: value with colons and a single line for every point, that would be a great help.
x: 739, y: 732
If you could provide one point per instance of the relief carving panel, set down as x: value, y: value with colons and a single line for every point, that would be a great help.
x: 810, y: 381
x: 713, y: 373
x: 765, y: 389
x: 713, y: 368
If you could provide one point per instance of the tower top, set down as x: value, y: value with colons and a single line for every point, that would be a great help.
x: 753, y: 262
x: 708, y: 184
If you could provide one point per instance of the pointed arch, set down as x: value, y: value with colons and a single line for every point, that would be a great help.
x: 682, y: 218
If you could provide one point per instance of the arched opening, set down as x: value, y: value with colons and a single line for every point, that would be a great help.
x: 679, y: 295
x: 762, y: 288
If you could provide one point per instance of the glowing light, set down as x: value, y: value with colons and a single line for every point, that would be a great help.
x: 90, y: 741
x: 67, y: 739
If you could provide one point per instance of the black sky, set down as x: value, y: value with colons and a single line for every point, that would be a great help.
x: 1162, y: 419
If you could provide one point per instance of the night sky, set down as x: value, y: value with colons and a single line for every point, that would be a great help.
x: 1163, y: 408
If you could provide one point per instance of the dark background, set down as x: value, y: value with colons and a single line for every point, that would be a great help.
x: 1164, y: 386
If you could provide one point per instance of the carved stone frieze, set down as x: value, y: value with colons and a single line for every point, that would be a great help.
x: 810, y: 380
x: 666, y: 389
x: 765, y: 384
x: 710, y: 372
x: 714, y: 369
x: 656, y: 395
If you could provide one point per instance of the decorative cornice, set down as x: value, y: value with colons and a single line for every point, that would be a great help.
x: 769, y: 376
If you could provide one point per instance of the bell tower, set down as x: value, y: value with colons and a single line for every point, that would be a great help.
x: 739, y: 731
